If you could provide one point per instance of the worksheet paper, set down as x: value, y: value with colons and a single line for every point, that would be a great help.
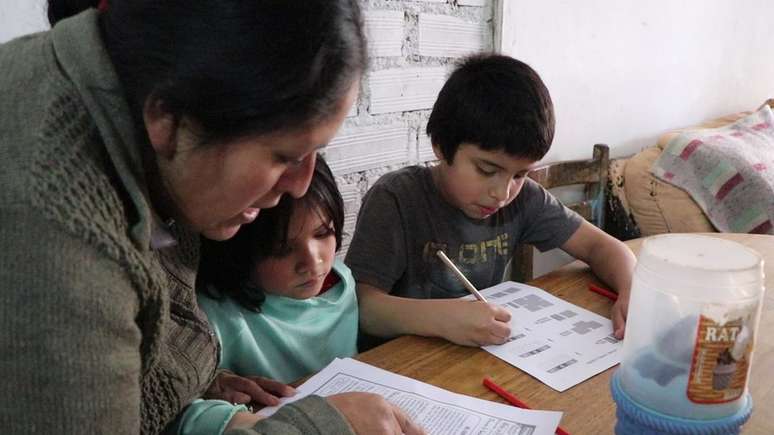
x: 559, y: 343
x: 438, y: 411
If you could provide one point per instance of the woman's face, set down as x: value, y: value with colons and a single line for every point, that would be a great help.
x: 216, y: 189
x: 299, y: 271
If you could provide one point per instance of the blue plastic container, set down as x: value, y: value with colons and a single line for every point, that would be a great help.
x: 636, y: 419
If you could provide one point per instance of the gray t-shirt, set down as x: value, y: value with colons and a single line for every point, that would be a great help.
x: 404, y: 220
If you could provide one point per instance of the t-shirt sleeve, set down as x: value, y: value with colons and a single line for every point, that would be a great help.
x: 548, y: 224
x: 229, y: 325
x: 206, y: 417
x: 377, y: 251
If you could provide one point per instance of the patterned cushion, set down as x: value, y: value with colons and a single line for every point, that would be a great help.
x: 728, y: 171
x: 659, y: 207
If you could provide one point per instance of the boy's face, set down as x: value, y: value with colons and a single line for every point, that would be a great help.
x: 299, y: 272
x: 480, y: 182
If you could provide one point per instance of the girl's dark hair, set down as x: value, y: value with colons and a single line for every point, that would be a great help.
x: 225, y: 266
x: 234, y: 67
x: 59, y: 10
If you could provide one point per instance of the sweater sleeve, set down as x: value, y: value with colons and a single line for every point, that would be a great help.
x: 70, y: 346
x: 311, y: 415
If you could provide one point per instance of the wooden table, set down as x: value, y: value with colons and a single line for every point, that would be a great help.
x: 588, y: 407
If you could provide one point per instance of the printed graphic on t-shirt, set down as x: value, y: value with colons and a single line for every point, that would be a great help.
x: 478, y: 261
x: 469, y: 253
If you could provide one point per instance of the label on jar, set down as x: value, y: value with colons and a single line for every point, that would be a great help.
x: 721, y: 356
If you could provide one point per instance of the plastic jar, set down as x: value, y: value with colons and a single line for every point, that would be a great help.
x: 693, y: 313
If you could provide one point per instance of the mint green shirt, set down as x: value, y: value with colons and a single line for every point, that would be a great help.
x: 287, y: 340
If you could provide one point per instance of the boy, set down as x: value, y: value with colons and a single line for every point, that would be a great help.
x: 492, y: 122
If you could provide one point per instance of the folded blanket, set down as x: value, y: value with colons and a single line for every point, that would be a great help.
x: 728, y: 171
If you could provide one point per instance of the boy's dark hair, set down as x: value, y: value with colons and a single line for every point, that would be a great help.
x: 497, y: 103
x: 225, y: 266
x: 235, y: 68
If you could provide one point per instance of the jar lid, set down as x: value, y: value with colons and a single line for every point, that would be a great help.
x: 694, y: 260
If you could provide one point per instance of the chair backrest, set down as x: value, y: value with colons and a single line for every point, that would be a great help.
x: 591, y: 173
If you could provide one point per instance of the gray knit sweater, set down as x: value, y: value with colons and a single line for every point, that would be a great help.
x: 99, y: 333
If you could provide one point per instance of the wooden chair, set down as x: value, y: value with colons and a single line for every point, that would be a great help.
x: 591, y: 173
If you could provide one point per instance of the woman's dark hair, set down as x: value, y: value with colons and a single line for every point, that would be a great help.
x: 497, y: 103
x: 234, y: 67
x: 225, y: 266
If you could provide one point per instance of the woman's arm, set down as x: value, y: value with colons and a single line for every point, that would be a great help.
x: 70, y: 344
x: 345, y: 413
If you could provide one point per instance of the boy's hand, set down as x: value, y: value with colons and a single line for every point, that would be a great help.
x: 610, y: 260
x: 618, y: 314
x: 252, y: 389
x: 473, y: 323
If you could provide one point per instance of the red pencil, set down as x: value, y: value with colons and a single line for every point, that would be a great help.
x: 604, y: 292
x: 513, y: 400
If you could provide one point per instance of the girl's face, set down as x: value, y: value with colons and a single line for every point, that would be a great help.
x: 300, y: 270
x: 216, y: 189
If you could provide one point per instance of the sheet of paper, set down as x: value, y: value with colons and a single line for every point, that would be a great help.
x: 437, y: 410
x: 559, y: 343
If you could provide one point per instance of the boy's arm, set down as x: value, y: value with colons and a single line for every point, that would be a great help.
x: 610, y: 260
x: 465, y: 322
x: 378, y: 254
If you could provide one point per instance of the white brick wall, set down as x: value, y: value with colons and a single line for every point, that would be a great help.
x: 385, y: 32
x: 405, y: 89
x: 445, y: 36
x: 425, y: 147
x: 350, y: 193
x: 369, y: 147
x: 413, y: 45
x: 472, y: 2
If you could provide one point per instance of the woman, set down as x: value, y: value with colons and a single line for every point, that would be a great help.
x: 125, y: 134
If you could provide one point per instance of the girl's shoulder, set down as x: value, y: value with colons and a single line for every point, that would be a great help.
x: 343, y: 272
x: 218, y: 307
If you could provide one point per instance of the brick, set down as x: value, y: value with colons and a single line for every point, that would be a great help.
x: 362, y: 148
x: 404, y: 89
x: 385, y: 32
x: 425, y: 147
x: 350, y: 193
x: 472, y: 2
x: 447, y: 36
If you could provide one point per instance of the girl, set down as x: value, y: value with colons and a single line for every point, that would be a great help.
x: 280, y: 302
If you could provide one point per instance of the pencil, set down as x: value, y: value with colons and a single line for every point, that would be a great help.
x: 513, y: 400
x: 471, y: 288
x: 604, y: 292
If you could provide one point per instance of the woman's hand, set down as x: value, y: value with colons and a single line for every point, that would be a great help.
x: 372, y: 415
x: 472, y: 323
x: 252, y: 389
